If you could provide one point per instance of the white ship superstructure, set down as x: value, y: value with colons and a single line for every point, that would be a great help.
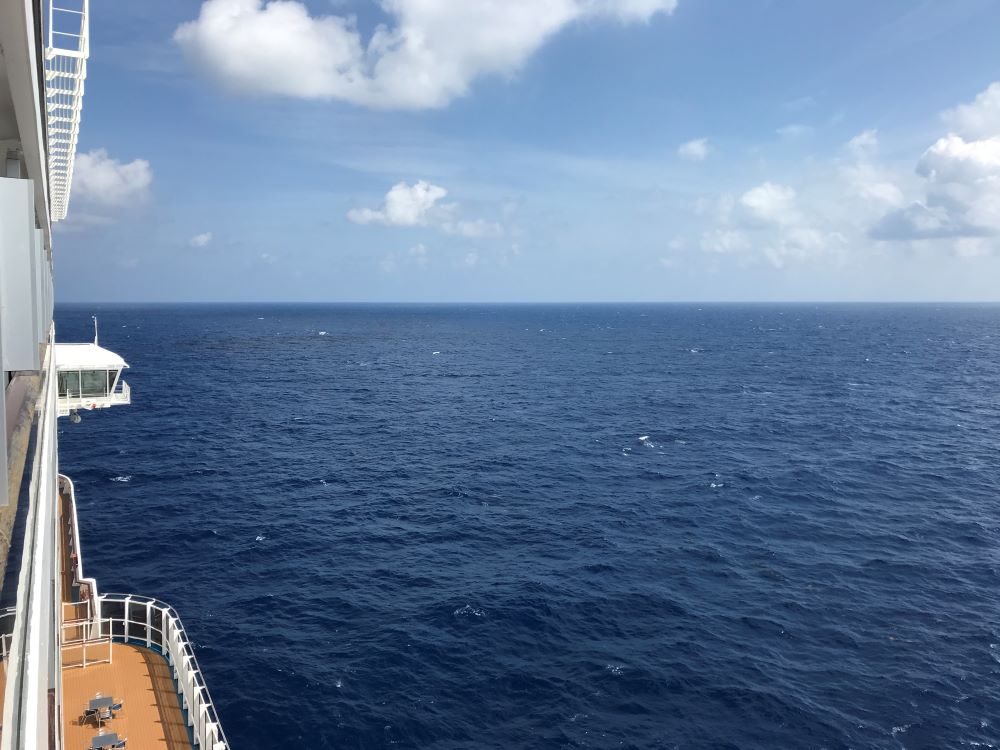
x: 81, y: 668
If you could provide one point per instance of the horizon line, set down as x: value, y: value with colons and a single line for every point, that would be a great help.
x: 532, y: 302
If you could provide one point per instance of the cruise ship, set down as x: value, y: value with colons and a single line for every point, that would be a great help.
x: 82, y: 668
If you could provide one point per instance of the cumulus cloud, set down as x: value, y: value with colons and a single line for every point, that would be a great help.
x: 101, y: 180
x: 953, y: 159
x: 979, y: 118
x: 419, y: 205
x: 947, y: 202
x: 428, y: 55
x: 961, y: 196
x: 694, y: 150
x: 404, y: 206
x: 917, y: 221
x: 766, y: 223
x: 771, y: 203
x: 200, y: 240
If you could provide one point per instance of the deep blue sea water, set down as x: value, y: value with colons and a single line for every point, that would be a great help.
x: 562, y: 526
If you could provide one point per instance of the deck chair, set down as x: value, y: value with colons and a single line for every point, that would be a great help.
x: 121, y: 743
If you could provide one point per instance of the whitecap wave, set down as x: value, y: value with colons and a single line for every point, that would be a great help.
x: 122, y: 478
x: 469, y: 611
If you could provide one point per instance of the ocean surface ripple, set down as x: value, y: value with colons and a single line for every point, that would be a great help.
x: 561, y: 526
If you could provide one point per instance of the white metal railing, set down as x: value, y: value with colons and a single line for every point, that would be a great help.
x: 87, y: 585
x: 7, y: 617
x: 65, y: 71
x: 121, y: 396
x: 154, y: 624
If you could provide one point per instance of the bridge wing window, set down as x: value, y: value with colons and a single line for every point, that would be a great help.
x: 69, y: 384
x: 94, y: 383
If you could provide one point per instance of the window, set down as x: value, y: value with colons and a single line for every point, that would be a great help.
x: 69, y: 384
x: 94, y: 383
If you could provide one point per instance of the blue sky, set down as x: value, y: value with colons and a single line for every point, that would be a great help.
x: 537, y: 150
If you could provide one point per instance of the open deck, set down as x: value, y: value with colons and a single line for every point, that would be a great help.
x: 151, y: 716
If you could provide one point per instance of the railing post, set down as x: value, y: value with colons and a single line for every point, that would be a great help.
x: 164, y: 623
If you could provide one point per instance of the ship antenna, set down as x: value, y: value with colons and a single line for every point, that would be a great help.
x: 95, y: 329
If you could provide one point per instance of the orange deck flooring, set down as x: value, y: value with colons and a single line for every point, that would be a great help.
x: 151, y: 717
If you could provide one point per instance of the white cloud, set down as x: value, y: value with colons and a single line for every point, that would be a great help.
x: 864, y: 144
x: 768, y: 224
x: 471, y: 259
x: 953, y: 159
x: 200, y: 240
x: 917, y: 221
x: 771, y: 203
x: 694, y: 150
x: 959, y: 200
x: 853, y: 205
x: 101, y: 180
x: 429, y: 55
x: 404, y: 206
x: 979, y: 118
x: 961, y: 194
x: 874, y: 184
x: 725, y: 241
x: 866, y: 178
x: 419, y: 205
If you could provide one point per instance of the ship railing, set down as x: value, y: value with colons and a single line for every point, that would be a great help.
x: 122, y: 394
x: 6, y: 632
x: 87, y: 586
x: 151, y: 623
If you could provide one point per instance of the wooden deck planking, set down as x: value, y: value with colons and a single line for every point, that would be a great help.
x: 151, y: 717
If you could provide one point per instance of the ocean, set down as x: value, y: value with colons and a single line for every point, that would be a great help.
x: 595, y: 526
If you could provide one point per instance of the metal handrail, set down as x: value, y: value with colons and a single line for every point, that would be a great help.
x: 89, y: 584
x: 176, y: 647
